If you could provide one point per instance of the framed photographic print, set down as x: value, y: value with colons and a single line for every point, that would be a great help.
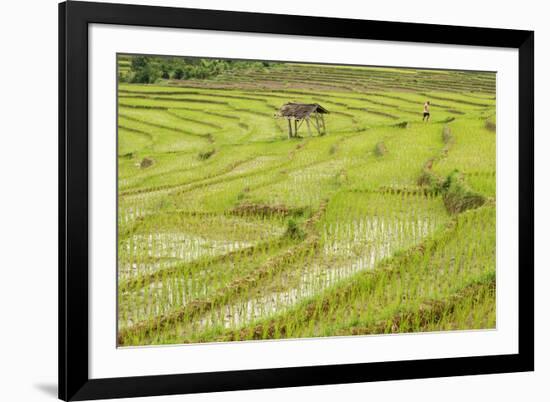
x: 257, y: 200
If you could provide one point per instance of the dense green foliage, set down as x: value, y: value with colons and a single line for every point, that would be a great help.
x: 458, y: 197
x: 229, y: 230
x: 149, y: 69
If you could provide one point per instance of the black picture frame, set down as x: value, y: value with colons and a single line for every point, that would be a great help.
x: 74, y: 381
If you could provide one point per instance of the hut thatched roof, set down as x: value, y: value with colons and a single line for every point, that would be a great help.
x: 300, y: 110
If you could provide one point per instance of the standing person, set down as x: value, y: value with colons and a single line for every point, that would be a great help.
x: 426, y: 115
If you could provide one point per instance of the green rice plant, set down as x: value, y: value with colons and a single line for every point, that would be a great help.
x: 228, y: 230
x: 380, y: 149
x: 490, y: 124
x: 204, y: 155
x: 294, y: 231
x: 458, y: 197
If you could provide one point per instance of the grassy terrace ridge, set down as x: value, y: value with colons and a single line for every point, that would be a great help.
x: 228, y: 230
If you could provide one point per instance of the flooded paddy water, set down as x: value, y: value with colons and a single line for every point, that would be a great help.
x: 233, y: 221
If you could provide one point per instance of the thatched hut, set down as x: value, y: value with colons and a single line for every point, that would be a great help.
x: 300, y: 112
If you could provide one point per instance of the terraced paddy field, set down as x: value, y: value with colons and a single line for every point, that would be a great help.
x: 230, y: 230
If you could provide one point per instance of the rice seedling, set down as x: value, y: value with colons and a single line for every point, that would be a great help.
x: 228, y: 230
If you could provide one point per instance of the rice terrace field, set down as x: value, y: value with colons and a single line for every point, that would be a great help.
x: 230, y: 229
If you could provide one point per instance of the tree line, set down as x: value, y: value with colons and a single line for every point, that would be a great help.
x: 151, y: 69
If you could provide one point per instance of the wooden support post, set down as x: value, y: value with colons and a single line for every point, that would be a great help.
x: 308, y: 127
x: 323, y: 121
x: 295, y: 128
x: 316, y: 122
x: 289, y: 128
